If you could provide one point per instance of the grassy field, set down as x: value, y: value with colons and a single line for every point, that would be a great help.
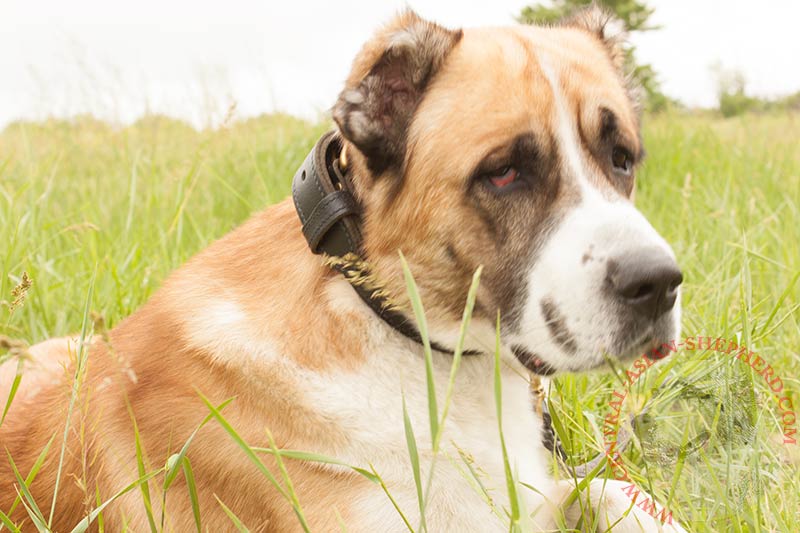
x: 134, y: 203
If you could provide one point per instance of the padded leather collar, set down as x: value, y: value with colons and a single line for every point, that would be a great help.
x: 330, y: 214
x: 324, y: 201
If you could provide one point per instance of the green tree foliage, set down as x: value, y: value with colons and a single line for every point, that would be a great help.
x: 734, y: 99
x: 634, y: 16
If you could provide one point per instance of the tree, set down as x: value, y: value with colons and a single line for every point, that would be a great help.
x: 634, y: 16
x: 734, y: 98
x: 731, y: 94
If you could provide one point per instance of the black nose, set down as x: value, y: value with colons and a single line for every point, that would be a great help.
x: 646, y: 280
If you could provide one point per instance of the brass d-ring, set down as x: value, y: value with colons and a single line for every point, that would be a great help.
x: 343, y: 159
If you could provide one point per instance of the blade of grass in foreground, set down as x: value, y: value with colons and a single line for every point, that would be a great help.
x: 473, y: 477
x: 436, y: 424
x: 6, y: 521
x: 317, y: 458
x: 371, y: 475
x: 80, y: 362
x: 433, y: 410
x: 145, y: 487
x: 298, y: 510
x: 411, y: 444
x: 786, y: 292
x: 422, y: 324
x: 101, y: 527
x: 457, y: 354
x: 248, y: 450
x: 391, y: 499
x: 235, y: 519
x: 498, y: 400
x: 176, y: 461
x: 27, y: 498
x: 12, y: 392
x: 188, y: 473
x: 340, y: 520
x: 34, y: 471
x: 243, y: 445
x: 84, y: 524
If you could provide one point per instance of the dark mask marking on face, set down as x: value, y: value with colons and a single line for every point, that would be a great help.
x: 557, y: 325
x: 532, y: 362
x: 517, y: 220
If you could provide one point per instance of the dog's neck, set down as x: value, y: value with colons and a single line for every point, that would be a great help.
x: 324, y: 198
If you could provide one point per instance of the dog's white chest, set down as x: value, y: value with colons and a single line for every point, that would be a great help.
x: 468, y: 491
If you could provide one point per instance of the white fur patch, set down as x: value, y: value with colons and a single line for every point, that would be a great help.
x: 367, y: 404
x: 222, y: 329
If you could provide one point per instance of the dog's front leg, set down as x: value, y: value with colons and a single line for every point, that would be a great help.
x: 613, y: 505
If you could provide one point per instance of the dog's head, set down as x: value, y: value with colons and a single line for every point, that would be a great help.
x: 514, y: 148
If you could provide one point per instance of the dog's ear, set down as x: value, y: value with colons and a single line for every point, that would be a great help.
x: 606, y: 27
x: 387, y: 81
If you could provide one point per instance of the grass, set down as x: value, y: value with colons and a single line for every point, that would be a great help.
x: 90, y: 209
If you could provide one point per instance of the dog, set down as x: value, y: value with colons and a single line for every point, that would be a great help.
x: 509, y: 148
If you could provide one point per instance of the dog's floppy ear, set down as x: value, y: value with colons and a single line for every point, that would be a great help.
x: 387, y: 81
x: 606, y: 27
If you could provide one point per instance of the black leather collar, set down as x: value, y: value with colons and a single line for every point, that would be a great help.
x: 330, y: 213
x: 325, y: 202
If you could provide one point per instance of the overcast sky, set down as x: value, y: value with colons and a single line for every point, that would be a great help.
x: 193, y: 59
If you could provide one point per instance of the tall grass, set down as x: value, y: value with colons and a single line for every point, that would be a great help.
x: 84, y: 204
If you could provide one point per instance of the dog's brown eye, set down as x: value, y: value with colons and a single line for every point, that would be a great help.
x: 503, y: 177
x: 621, y: 159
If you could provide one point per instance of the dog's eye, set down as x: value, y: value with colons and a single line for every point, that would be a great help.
x: 503, y: 177
x: 621, y: 159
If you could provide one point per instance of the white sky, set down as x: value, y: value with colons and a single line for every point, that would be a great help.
x: 192, y: 59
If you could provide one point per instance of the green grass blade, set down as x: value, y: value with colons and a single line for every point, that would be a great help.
x: 249, y: 452
x: 317, y: 458
x: 474, y: 479
x: 240, y: 527
x: 786, y: 292
x: 144, y: 487
x: 6, y: 521
x: 340, y: 521
x: 132, y: 195
x: 39, y: 523
x: 84, y: 524
x: 457, y: 353
x: 298, y: 510
x: 76, y: 382
x: 411, y: 444
x: 101, y: 526
x: 27, y: 498
x: 392, y: 500
x: 791, y: 313
x: 175, y: 462
x: 498, y: 401
x: 188, y: 473
x: 34, y: 470
x: 422, y: 324
x: 12, y: 392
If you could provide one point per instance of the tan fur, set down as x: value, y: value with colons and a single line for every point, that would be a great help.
x: 168, y: 369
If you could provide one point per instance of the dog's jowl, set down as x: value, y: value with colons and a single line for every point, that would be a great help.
x: 514, y: 149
